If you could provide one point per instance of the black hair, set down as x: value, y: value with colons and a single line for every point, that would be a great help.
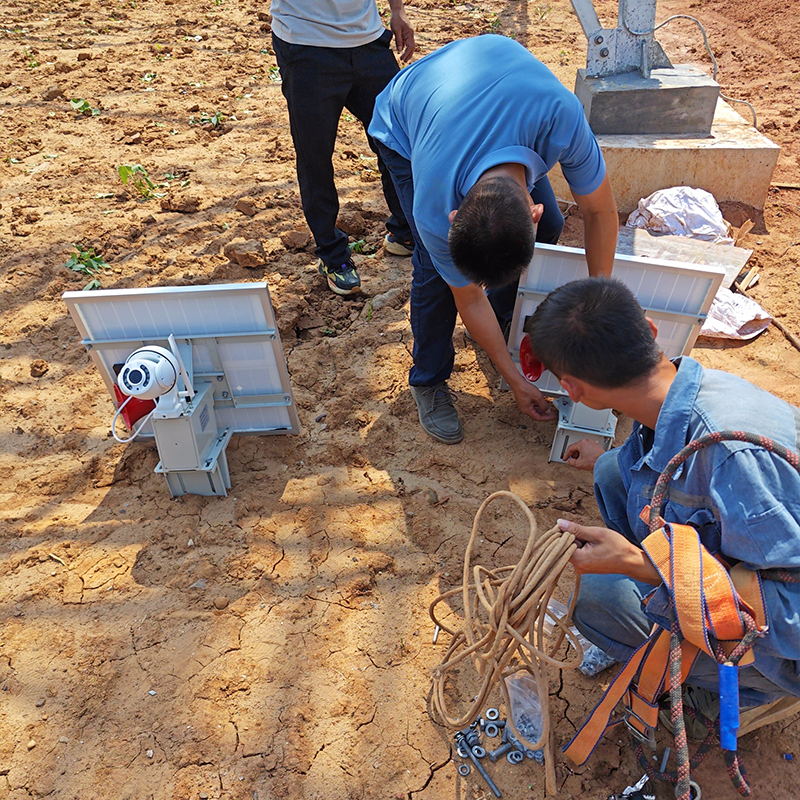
x: 492, y: 237
x: 594, y: 330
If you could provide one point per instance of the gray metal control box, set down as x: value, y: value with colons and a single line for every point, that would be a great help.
x: 185, y: 442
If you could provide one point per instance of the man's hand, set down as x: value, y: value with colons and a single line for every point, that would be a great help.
x: 583, y: 454
x: 478, y: 316
x: 606, y: 552
x: 532, y: 402
x: 403, y: 32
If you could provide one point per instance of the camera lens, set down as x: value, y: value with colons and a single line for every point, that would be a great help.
x: 135, y: 376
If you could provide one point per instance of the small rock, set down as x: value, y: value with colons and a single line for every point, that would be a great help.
x: 433, y: 498
x: 31, y: 744
x: 84, y: 56
x: 246, y: 252
x: 52, y: 92
x: 247, y: 206
x: 193, y: 109
x: 148, y: 753
x: 221, y: 602
x: 40, y: 702
x: 63, y: 740
x: 38, y: 368
x: 295, y: 240
x: 393, y: 298
x: 321, y: 416
x: 182, y: 203
x: 352, y: 223
x: 203, y: 795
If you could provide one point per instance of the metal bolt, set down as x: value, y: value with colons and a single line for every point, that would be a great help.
x: 464, y: 769
x: 492, y: 714
x: 500, y: 751
x: 604, y: 53
x: 460, y: 742
x: 514, y: 757
x: 598, y: 40
x: 224, y: 394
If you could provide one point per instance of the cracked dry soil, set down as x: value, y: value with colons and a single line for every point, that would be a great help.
x: 276, y: 644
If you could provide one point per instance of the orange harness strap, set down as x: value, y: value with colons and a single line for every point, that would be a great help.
x: 708, y: 600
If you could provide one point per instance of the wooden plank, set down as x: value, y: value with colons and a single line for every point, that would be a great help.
x: 639, y: 242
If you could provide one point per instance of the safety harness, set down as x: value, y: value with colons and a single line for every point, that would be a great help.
x: 717, y: 610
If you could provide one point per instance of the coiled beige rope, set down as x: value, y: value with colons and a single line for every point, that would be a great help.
x: 503, y: 633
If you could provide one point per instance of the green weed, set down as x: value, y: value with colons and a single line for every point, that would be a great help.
x: 87, y: 262
x: 137, y: 176
x: 82, y: 107
x: 215, y: 120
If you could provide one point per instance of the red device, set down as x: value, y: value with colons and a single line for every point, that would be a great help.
x: 532, y: 368
x: 135, y: 409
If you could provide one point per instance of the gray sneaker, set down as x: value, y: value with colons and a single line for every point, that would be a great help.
x: 437, y: 412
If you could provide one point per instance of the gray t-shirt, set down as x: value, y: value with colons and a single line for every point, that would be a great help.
x: 326, y: 23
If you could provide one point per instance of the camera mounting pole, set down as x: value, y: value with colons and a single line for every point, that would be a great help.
x: 629, y: 86
x: 629, y: 47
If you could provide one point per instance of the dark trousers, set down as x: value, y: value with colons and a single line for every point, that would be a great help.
x: 433, y: 309
x: 318, y: 83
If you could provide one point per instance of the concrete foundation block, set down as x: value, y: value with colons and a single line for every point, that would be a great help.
x: 734, y: 162
x: 674, y: 100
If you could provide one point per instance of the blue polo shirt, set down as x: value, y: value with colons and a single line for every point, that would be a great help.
x: 470, y: 106
x: 743, y: 500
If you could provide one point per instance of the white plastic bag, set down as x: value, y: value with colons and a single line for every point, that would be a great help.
x: 682, y: 211
x: 734, y: 316
x: 526, y: 710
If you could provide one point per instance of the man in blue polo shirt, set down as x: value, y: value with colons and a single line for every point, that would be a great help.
x: 469, y: 134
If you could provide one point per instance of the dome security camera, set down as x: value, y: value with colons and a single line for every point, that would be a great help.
x: 148, y: 373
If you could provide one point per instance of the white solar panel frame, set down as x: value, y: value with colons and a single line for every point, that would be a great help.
x: 674, y: 295
x: 233, y: 336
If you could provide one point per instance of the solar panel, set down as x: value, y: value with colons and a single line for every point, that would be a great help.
x: 232, y: 333
x: 676, y: 296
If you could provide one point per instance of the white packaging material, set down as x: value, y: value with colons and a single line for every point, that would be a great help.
x: 734, y: 316
x: 682, y: 211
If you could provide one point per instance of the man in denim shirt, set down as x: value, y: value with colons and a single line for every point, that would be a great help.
x: 743, y: 500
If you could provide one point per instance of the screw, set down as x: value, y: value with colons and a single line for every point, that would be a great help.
x: 500, y: 751
x: 604, y: 53
x: 460, y: 742
x: 598, y: 40
x: 224, y: 394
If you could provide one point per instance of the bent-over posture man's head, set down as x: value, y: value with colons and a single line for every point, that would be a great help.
x: 492, y: 236
x: 594, y: 330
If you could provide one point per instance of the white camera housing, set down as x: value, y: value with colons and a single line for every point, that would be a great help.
x: 148, y: 373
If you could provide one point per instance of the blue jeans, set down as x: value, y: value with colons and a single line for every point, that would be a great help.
x: 608, y: 611
x: 433, y: 309
x: 318, y: 83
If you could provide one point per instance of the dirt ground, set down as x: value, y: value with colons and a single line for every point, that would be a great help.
x: 276, y: 644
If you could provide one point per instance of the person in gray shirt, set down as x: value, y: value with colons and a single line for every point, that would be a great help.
x: 332, y: 55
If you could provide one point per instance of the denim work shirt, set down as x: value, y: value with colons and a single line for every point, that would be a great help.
x: 743, y: 500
